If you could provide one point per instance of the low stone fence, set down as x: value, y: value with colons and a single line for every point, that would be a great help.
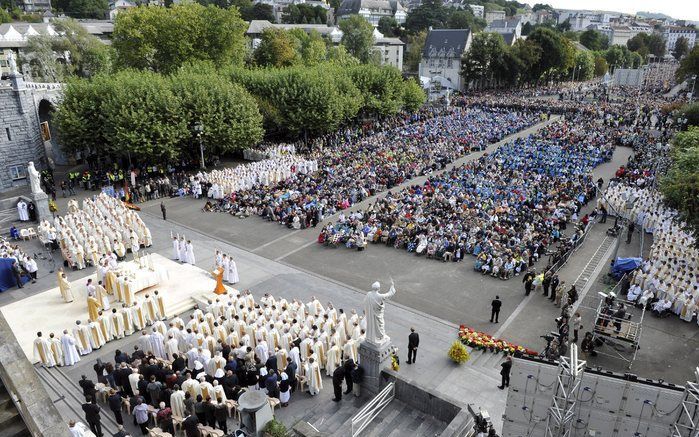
x: 460, y: 421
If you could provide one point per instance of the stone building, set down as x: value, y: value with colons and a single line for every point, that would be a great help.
x: 23, y: 108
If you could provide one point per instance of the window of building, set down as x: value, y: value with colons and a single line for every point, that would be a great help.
x: 18, y: 172
x: 9, y: 135
x: 449, y: 63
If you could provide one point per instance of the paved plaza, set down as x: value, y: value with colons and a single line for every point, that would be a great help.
x: 434, y: 297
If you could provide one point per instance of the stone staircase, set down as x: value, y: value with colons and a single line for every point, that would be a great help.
x: 598, y: 257
x: 398, y: 420
x: 11, y: 423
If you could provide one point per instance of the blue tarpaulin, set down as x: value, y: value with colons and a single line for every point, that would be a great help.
x: 7, y: 278
x: 625, y: 265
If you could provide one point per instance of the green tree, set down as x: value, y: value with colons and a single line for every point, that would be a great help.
x: 311, y: 46
x: 555, y: 54
x: 163, y: 39
x: 594, y: 40
x: 339, y: 56
x: 601, y: 66
x: 96, y: 9
x: 388, y: 26
x: 680, y: 186
x: 413, y: 53
x: 276, y: 49
x: 486, y: 60
x: 79, y: 119
x: 691, y: 113
x: 143, y: 117
x: 689, y: 65
x: 542, y: 6
x: 656, y: 44
x: 88, y: 56
x: 584, y: 65
x: 528, y: 53
x: 430, y: 13
x: 228, y: 113
x: 413, y: 96
x: 618, y: 56
x: 5, y: 16
x: 303, y: 13
x: 358, y: 37
x: 460, y: 19
x: 681, y: 48
x: 381, y: 88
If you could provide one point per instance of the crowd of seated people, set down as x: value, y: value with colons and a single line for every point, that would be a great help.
x: 504, y: 208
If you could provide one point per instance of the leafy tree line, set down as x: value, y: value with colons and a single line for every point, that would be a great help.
x: 148, y: 115
x: 680, y: 186
x: 151, y: 115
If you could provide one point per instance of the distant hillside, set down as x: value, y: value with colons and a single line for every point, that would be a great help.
x: 656, y: 15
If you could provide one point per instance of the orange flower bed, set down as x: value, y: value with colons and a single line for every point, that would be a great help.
x: 483, y: 341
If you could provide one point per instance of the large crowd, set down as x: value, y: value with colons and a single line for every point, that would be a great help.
x: 352, y: 165
x: 195, y: 370
x: 504, y: 208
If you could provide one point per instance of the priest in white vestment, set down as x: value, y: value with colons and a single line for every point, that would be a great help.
x: 70, y: 350
x: 42, y: 351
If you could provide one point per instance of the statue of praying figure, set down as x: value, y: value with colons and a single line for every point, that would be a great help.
x: 374, y: 309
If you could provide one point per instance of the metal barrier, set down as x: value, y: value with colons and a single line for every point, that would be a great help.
x: 369, y: 412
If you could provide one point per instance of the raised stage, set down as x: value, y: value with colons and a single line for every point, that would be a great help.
x: 46, y: 312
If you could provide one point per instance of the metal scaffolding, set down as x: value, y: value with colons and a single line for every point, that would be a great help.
x: 687, y: 423
x: 561, y: 415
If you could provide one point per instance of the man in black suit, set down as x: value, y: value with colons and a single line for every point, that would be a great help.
x: 88, y: 387
x: 114, y: 402
x: 92, y: 416
x: 413, y: 342
x: 505, y: 373
x: 271, y: 363
x: 190, y: 426
x: 291, y: 373
x: 495, y: 306
x: 338, y: 377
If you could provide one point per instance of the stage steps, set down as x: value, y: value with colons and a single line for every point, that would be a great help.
x: 11, y: 423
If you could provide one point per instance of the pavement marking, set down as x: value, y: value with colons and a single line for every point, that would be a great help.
x: 310, y: 243
x: 514, y: 315
x: 275, y: 240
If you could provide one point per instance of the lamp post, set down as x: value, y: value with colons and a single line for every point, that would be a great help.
x: 199, y: 129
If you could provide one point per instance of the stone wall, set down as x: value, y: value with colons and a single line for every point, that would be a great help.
x: 439, y: 406
x: 19, y: 377
x: 19, y: 115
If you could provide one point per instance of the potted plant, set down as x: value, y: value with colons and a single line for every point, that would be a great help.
x: 274, y: 428
x: 458, y: 353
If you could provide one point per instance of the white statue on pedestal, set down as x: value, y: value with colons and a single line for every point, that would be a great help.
x: 34, y: 179
x: 12, y: 63
x: 374, y: 309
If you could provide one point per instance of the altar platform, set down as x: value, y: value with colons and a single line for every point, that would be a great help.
x: 46, y: 312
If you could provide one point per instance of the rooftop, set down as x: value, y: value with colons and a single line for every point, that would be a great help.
x: 446, y: 39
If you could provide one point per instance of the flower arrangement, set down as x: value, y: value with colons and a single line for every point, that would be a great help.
x: 485, y: 342
x: 395, y: 363
x: 458, y: 352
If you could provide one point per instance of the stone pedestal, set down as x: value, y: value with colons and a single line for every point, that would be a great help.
x: 41, y: 202
x: 255, y: 412
x: 373, y: 359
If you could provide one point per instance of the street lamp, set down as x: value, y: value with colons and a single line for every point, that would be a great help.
x: 199, y: 129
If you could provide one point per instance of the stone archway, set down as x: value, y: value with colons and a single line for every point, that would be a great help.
x: 45, y: 109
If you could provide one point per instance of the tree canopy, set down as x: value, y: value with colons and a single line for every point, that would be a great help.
x: 689, y: 65
x: 163, y: 39
x: 151, y: 116
x: 594, y: 40
x: 358, y: 37
x: 96, y: 9
x: 680, y: 186
x: 88, y: 55
x: 681, y: 48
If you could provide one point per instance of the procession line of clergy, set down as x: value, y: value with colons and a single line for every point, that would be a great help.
x: 183, y: 249
x: 104, y: 324
x: 671, y: 271
x: 104, y: 225
x: 325, y: 336
x: 266, y: 172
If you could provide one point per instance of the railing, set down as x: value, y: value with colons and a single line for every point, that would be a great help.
x: 43, y: 86
x: 369, y: 412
